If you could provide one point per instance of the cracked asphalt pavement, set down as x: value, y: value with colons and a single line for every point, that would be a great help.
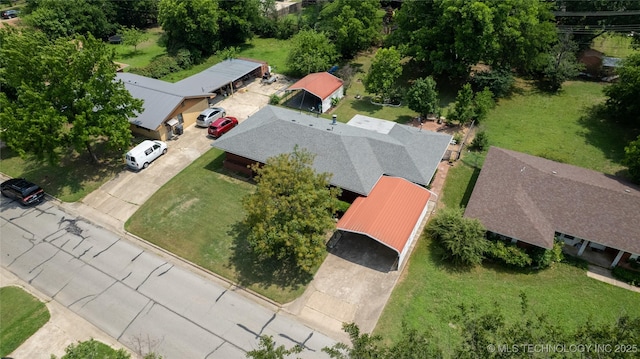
x: 130, y: 292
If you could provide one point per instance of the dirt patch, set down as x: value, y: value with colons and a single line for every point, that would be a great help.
x: 10, y: 22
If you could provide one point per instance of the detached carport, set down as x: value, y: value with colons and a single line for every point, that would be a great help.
x: 390, y: 215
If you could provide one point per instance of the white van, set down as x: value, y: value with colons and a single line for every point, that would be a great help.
x: 144, y: 153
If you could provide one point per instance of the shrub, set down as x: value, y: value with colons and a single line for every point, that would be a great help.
x: 159, y: 67
x: 626, y: 275
x: 184, y: 59
x: 463, y: 239
x: 480, y: 141
x: 575, y: 261
x: 500, y: 82
x: 543, y: 258
x: 634, y: 263
x: 510, y: 254
x: 343, y: 206
x: 286, y: 27
x: 274, y: 99
x: 335, y: 101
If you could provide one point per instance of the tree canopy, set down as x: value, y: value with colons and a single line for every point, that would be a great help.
x: 237, y: 19
x: 422, y: 96
x: 623, y: 95
x: 136, y: 13
x: 60, y: 94
x: 291, y: 211
x: 72, y: 17
x: 351, y: 25
x: 449, y: 36
x: 487, y: 335
x: 191, y: 24
x: 310, y: 52
x: 384, y: 72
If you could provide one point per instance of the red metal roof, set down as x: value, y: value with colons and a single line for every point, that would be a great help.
x: 321, y: 84
x: 389, y: 214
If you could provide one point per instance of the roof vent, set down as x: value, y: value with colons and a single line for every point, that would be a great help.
x: 627, y: 190
x: 293, y: 120
x: 554, y: 172
x: 311, y: 125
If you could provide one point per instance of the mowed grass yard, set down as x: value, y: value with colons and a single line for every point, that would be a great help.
x: 197, y: 215
x: 561, y: 127
x: 21, y: 316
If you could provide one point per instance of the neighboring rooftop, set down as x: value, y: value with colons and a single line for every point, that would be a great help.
x: 356, y: 157
x: 162, y: 97
x: 530, y: 198
x: 217, y: 76
x: 320, y: 84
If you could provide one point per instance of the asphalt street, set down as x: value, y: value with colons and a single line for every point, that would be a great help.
x: 133, y: 294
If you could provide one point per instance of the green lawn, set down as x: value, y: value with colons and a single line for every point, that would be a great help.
x: 561, y: 127
x: 614, y: 45
x: 71, y: 180
x: 21, y: 316
x: 196, y: 215
x: 145, y: 52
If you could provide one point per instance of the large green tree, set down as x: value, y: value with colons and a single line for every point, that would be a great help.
x: 72, y: 17
x: 422, y: 97
x: 61, y: 94
x: 449, y: 36
x: 463, y: 109
x: 310, y: 52
x: 351, y: 25
x: 137, y: 13
x: 191, y: 24
x: 624, y: 94
x: 384, y: 72
x: 237, y: 19
x: 560, y: 64
x: 291, y: 211
x: 463, y: 239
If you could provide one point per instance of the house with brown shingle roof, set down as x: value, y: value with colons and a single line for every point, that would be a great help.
x: 532, y: 200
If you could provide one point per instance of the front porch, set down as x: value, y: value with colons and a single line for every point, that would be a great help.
x: 598, y: 257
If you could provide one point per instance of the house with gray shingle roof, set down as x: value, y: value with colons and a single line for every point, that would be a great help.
x: 356, y: 157
x: 533, y: 200
x: 167, y: 104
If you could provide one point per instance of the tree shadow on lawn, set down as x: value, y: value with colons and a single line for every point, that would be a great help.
x: 605, y: 133
x: 264, y: 273
x: 73, y: 173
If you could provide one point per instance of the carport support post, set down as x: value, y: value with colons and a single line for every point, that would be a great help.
x: 231, y: 87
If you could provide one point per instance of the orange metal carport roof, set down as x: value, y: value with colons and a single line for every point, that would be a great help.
x: 320, y: 84
x: 389, y: 214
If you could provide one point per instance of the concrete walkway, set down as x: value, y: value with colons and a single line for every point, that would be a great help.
x: 604, y: 275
